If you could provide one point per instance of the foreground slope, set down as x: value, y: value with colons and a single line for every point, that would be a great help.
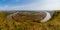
x: 52, y: 24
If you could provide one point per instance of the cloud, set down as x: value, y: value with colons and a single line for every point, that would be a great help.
x: 52, y: 4
x: 44, y: 5
x: 40, y: 5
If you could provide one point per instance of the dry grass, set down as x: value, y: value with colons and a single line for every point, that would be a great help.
x: 52, y: 24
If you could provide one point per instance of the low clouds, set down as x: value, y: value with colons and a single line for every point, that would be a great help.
x: 44, y: 5
x: 52, y: 4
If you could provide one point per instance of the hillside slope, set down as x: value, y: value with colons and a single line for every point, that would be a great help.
x: 52, y: 24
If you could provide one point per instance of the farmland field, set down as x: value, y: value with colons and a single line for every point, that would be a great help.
x: 52, y: 24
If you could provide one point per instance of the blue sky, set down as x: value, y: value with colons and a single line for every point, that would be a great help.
x: 29, y: 4
x: 15, y: 2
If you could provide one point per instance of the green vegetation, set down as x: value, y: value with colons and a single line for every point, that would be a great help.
x: 52, y: 24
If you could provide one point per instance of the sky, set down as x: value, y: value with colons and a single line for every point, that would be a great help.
x: 29, y: 5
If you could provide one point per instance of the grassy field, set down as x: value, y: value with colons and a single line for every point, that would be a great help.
x: 52, y: 24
